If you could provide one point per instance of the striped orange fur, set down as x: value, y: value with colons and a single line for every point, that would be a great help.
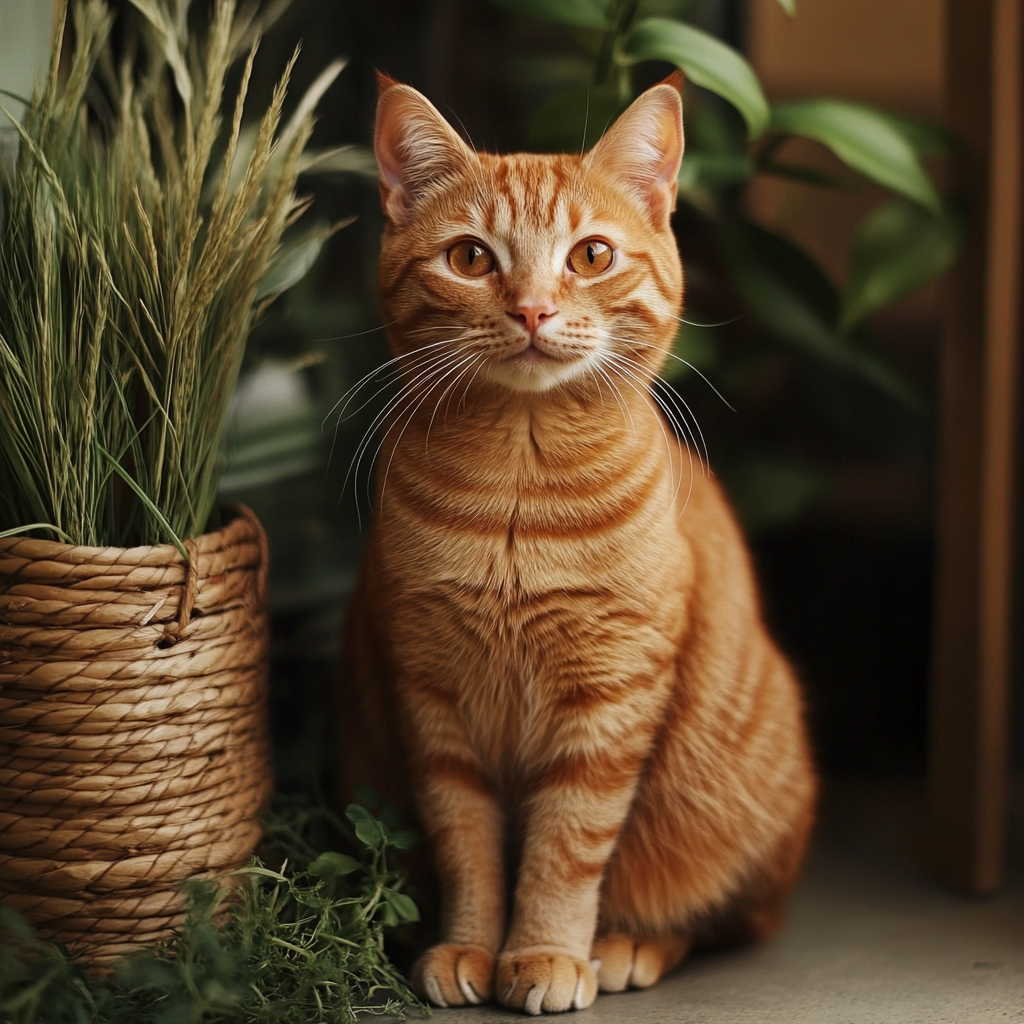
x: 556, y: 613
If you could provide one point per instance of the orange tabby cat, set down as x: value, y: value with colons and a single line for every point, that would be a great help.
x: 556, y: 613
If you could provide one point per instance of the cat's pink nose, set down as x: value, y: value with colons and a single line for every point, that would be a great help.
x: 531, y: 315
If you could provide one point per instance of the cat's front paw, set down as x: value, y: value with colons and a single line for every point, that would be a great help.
x: 544, y: 981
x: 454, y: 975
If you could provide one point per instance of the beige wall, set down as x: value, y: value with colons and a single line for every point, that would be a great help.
x: 884, y: 52
x: 880, y: 51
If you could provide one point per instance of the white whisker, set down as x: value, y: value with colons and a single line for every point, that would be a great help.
x: 468, y: 361
x: 623, y: 407
x: 644, y: 392
x: 448, y: 370
x: 421, y: 355
x: 685, y: 362
x: 443, y: 361
x: 682, y: 425
x: 693, y: 323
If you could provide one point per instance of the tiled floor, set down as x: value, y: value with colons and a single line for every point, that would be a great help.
x: 869, y: 941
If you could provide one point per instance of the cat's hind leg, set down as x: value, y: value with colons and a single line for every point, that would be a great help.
x: 636, y: 961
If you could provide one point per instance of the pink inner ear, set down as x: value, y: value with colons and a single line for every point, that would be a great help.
x: 644, y: 148
x: 388, y: 140
x: 415, y: 148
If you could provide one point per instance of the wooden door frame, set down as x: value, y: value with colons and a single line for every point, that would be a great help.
x: 969, y: 730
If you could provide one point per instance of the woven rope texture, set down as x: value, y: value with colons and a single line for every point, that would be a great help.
x: 133, y: 737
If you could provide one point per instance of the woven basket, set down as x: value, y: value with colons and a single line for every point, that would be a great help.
x: 133, y: 732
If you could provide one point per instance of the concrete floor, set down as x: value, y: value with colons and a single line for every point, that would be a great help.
x: 868, y: 941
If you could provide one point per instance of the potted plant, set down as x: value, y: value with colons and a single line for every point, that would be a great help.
x: 139, y: 241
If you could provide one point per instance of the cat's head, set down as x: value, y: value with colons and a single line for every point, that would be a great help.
x: 530, y: 270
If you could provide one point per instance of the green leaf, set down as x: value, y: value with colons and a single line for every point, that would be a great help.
x: 899, y: 247
x: 403, y: 906
x: 370, y: 833
x: 36, y: 526
x: 865, y: 139
x: 706, y: 61
x: 355, y: 814
x: 405, y: 839
x: 797, y: 303
x: 925, y: 138
x: 582, y: 13
x: 147, y: 501
x: 292, y: 265
x: 330, y: 865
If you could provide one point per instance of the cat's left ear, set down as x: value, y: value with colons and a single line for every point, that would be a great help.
x: 416, y: 148
x: 643, y: 149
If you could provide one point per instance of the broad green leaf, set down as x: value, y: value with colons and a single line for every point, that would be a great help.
x: 706, y: 61
x: 572, y: 121
x: 370, y: 833
x: 330, y: 865
x: 355, y: 813
x: 291, y: 266
x: 865, y: 140
x: 405, y: 839
x: 899, y: 247
x: 402, y: 905
x: 582, y: 13
x: 926, y: 138
x: 797, y: 303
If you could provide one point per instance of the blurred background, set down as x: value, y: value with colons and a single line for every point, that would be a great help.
x: 831, y: 471
x: 817, y: 239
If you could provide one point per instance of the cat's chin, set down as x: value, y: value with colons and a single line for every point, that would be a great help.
x: 533, y: 373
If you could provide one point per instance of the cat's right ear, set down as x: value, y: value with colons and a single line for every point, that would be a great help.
x: 416, y: 148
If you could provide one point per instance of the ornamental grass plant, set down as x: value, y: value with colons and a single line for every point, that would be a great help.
x: 139, y: 240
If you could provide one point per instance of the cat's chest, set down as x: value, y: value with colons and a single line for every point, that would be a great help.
x: 516, y: 520
x: 510, y: 543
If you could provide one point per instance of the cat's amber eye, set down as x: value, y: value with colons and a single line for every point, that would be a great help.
x: 470, y: 259
x: 590, y: 257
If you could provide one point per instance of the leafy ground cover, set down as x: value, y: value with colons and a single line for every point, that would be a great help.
x: 300, y: 943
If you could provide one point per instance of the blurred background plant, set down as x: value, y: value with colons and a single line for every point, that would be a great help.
x: 827, y: 438
x: 740, y: 270
x: 828, y: 446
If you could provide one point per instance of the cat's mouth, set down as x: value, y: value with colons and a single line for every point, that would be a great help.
x: 533, y: 353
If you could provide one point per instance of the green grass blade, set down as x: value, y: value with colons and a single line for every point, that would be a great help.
x: 36, y: 526
x: 145, y: 499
